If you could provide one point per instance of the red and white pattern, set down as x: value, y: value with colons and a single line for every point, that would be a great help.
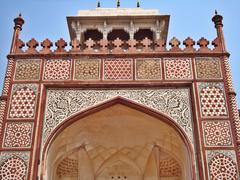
x: 217, y: 133
x: 118, y: 69
x: 57, y: 69
x: 222, y: 167
x: 178, y: 68
x: 13, y: 169
x: 8, y: 76
x: 18, y: 135
x: 2, y: 114
x: 23, y: 102
x: 212, y: 101
x: 14, y: 165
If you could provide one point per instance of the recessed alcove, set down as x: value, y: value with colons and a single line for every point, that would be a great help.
x: 118, y: 143
x: 118, y: 33
x: 94, y: 34
x: 143, y: 33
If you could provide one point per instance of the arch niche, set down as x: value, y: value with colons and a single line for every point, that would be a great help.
x: 118, y: 141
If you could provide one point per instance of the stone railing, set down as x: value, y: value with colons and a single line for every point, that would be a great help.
x: 117, y: 46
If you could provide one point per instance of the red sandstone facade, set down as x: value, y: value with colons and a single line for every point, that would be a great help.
x: 119, y: 65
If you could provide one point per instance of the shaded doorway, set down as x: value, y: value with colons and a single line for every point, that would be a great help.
x: 118, y: 142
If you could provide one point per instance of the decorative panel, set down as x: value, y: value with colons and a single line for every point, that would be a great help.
x: 212, y: 99
x: 148, y: 69
x: 61, y: 104
x: 23, y: 101
x: 178, y: 68
x: 222, y: 165
x: 217, y: 133
x: 14, y: 165
x: 57, y: 69
x: 27, y: 69
x: 118, y: 69
x: 208, y: 68
x: 18, y: 135
x: 87, y: 69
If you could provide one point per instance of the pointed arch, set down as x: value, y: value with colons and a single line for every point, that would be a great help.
x: 128, y: 103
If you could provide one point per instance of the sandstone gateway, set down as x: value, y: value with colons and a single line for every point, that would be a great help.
x: 117, y: 103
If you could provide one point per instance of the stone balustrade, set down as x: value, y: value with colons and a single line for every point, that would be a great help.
x: 117, y: 46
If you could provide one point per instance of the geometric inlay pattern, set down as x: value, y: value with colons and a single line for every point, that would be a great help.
x: 14, y: 165
x: 212, y: 99
x: 27, y: 69
x: 23, y: 101
x: 148, y: 69
x: 118, y: 69
x: 57, y: 69
x: 62, y: 103
x: 217, y: 133
x: 222, y: 165
x: 87, y: 69
x: 178, y: 68
x: 208, y: 68
x: 18, y: 135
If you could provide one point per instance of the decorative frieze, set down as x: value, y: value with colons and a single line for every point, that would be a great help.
x: 178, y: 68
x: 148, y: 69
x: 61, y: 104
x: 118, y: 69
x: 27, y: 70
x: 57, y: 69
x: 87, y: 69
x: 208, y: 68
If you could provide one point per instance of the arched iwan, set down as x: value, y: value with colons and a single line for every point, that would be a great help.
x: 139, y: 117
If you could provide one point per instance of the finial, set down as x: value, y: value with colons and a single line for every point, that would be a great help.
x: 138, y: 4
x: 218, y: 22
x: 19, y: 21
x: 98, y: 4
x: 118, y: 4
x: 217, y: 19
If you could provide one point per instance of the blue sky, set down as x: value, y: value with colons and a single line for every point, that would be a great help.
x: 47, y: 19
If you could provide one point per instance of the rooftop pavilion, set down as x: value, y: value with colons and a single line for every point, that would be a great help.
x: 122, y: 23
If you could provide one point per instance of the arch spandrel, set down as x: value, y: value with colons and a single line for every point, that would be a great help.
x: 63, y: 104
x: 117, y: 136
